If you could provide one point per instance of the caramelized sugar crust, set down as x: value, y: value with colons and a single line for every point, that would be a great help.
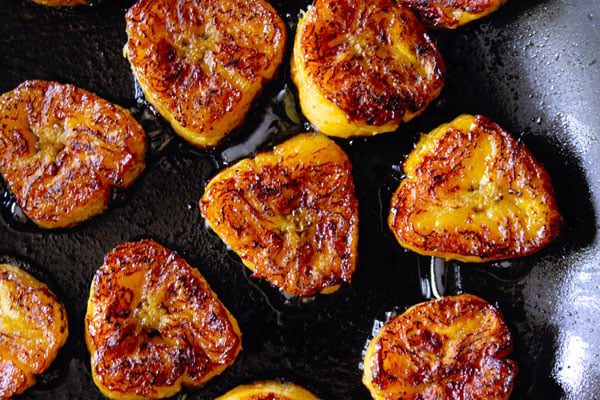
x: 475, y: 194
x: 33, y: 328
x: 201, y: 63
x: 63, y: 148
x: 268, y: 390
x: 373, y: 59
x: 153, y: 324
x: 451, y: 13
x: 290, y: 214
x: 453, y: 348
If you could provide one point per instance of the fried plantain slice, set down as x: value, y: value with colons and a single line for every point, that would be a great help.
x: 268, y: 390
x: 474, y: 194
x: 153, y: 324
x: 33, y: 328
x: 63, y: 148
x: 362, y: 67
x: 291, y: 214
x: 450, y: 14
x: 202, y: 63
x: 453, y: 348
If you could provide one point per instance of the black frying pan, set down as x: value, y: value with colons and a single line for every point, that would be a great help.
x: 533, y: 67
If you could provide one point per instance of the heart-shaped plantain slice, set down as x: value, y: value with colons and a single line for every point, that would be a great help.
x: 63, y: 148
x: 33, y: 328
x: 268, y: 390
x: 453, y: 348
x: 291, y: 214
x: 153, y: 324
x: 474, y: 194
x: 362, y: 67
x: 450, y: 14
x: 202, y: 63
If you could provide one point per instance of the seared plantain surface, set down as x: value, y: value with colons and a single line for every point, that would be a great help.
x: 63, y: 148
x: 201, y: 63
x: 153, y: 324
x: 473, y: 193
x: 291, y: 214
x: 268, y: 390
x: 450, y: 14
x: 362, y: 67
x: 33, y: 328
x: 453, y: 348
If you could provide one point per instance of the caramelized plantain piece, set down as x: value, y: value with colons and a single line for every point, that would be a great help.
x: 450, y: 14
x: 362, y: 67
x: 453, y: 348
x: 474, y: 194
x: 63, y: 148
x: 153, y: 324
x: 291, y: 214
x: 33, y: 328
x: 202, y: 63
x: 268, y: 390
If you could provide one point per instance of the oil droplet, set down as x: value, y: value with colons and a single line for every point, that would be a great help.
x: 266, y: 128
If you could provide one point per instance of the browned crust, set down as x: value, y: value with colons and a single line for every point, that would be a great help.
x: 202, y: 61
x: 62, y: 148
x: 312, y: 189
x: 368, y: 84
x: 438, y: 183
x: 444, y: 13
x: 33, y: 329
x: 195, y: 339
x: 453, y: 348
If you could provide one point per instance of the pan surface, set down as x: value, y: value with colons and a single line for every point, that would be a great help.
x: 533, y: 67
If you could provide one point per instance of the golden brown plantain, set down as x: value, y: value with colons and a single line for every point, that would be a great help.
x: 453, y: 348
x: 153, y: 324
x: 362, y: 67
x: 450, y: 14
x: 268, y: 390
x: 33, y: 328
x: 63, y: 148
x: 291, y: 214
x: 473, y: 193
x: 201, y: 63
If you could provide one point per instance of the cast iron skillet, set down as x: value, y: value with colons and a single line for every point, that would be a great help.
x: 533, y: 67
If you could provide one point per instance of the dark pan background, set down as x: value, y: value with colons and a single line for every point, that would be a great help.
x: 533, y: 67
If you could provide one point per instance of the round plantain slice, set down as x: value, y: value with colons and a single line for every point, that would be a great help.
x: 202, y: 63
x: 290, y: 214
x: 453, y: 348
x: 362, y: 67
x: 450, y: 14
x: 63, y: 148
x: 33, y: 328
x: 153, y: 324
x: 268, y: 390
x: 474, y: 194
